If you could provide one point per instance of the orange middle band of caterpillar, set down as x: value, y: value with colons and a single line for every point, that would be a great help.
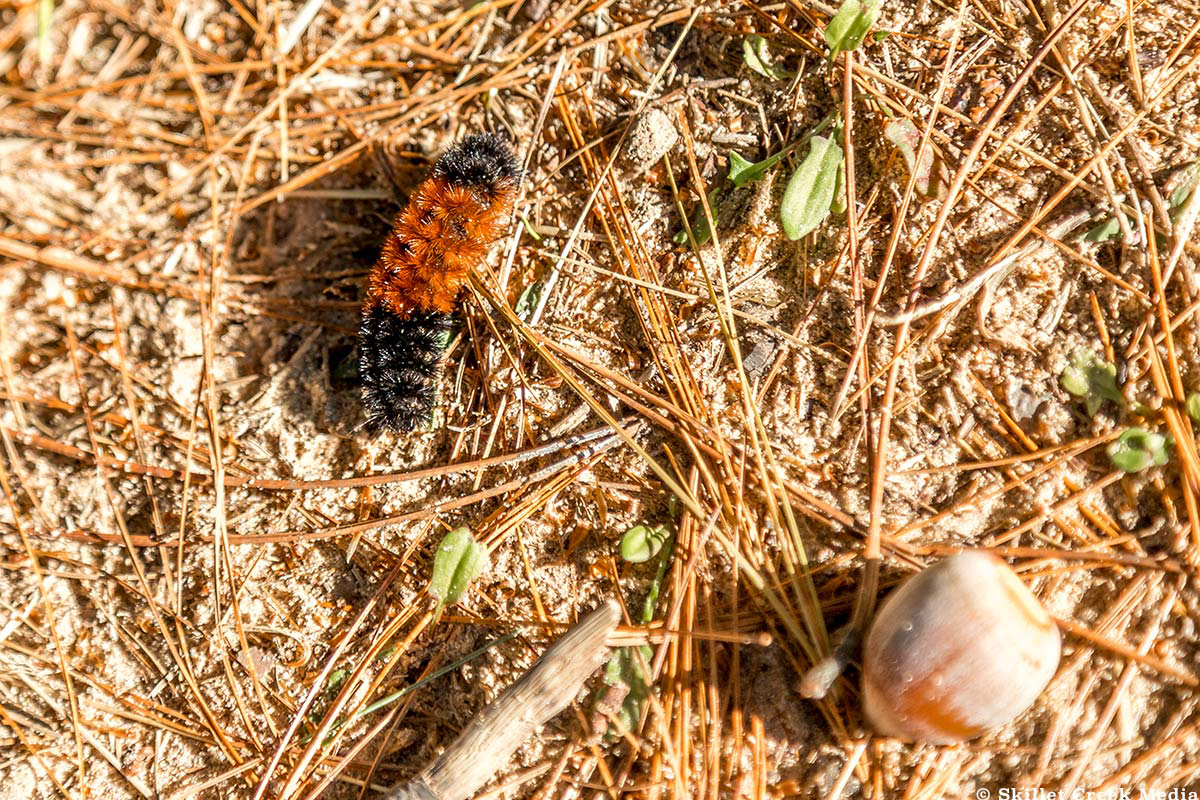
x: 436, y: 240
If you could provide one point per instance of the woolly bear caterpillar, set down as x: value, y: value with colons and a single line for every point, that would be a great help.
x: 436, y: 240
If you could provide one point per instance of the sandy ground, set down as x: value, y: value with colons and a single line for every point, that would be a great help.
x: 183, y: 260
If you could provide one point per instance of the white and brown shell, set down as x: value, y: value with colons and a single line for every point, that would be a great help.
x: 958, y: 649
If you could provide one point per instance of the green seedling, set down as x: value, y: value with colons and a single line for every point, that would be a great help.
x: 1106, y: 229
x: 1092, y: 378
x: 1137, y: 448
x: 336, y: 679
x: 758, y: 58
x: 810, y: 193
x: 850, y: 25
x: 627, y: 674
x: 838, y: 206
x: 459, y: 560
x: 1192, y: 405
x: 643, y: 542
x: 1180, y: 186
x: 930, y: 173
x: 701, y: 230
x: 528, y: 300
x: 537, y: 237
x: 742, y: 172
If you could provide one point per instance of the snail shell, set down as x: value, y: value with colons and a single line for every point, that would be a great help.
x: 958, y: 649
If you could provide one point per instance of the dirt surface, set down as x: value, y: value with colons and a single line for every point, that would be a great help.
x: 210, y: 567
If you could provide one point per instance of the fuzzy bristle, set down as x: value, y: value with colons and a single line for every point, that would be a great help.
x: 444, y: 231
x: 436, y: 241
x: 399, y: 360
x: 482, y: 160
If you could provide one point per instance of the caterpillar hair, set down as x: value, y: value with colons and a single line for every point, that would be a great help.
x: 436, y: 240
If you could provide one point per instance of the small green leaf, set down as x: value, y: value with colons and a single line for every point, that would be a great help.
x: 1192, y: 404
x: 701, y: 230
x: 742, y: 171
x: 1181, y: 184
x: 528, y: 300
x: 336, y: 679
x: 838, y: 206
x: 625, y: 672
x: 850, y: 24
x: 757, y: 58
x: 1074, y: 381
x: 879, y: 36
x: 537, y: 237
x: 625, y: 669
x: 931, y: 174
x: 1106, y: 229
x: 1141, y: 409
x: 1136, y: 449
x: 1091, y: 378
x: 810, y: 192
x: 643, y: 542
x: 459, y: 561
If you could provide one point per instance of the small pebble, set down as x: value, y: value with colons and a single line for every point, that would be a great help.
x: 652, y: 137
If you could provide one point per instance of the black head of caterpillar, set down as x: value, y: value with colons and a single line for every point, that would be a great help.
x: 399, y: 360
x: 482, y: 160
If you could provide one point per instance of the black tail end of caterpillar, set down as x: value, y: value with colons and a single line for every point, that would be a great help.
x: 399, y: 363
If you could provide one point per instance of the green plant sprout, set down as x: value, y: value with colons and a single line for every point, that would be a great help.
x: 1179, y: 187
x: 628, y: 670
x: 838, y: 206
x: 815, y: 189
x: 459, y: 560
x: 810, y: 193
x: 930, y: 173
x: 1192, y: 406
x: 643, y: 542
x: 742, y: 172
x: 528, y: 300
x: 850, y: 24
x: 758, y: 58
x: 1092, y: 378
x: 537, y: 237
x: 1106, y: 229
x: 1137, y: 448
x: 701, y: 230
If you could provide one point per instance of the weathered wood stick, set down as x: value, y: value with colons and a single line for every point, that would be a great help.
x: 484, y: 746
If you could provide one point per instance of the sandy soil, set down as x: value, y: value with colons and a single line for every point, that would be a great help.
x: 183, y: 260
